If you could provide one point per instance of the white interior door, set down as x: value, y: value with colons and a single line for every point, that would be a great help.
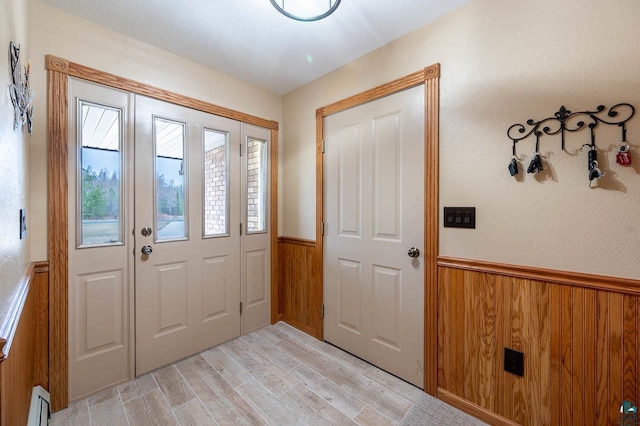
x: 374, y: 214
x: 187, y: 204
x: 100, y: 211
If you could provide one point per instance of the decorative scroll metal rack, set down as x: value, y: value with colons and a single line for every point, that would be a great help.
x: 564, y: 121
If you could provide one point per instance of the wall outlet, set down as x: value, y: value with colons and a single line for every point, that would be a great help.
x: 514, y: 362
x: 23, y: 224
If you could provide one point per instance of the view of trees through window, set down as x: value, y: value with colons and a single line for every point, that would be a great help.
x: 100, y: 194
x: 170, y: 194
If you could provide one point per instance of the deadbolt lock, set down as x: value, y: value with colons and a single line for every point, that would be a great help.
x: 146, y: 231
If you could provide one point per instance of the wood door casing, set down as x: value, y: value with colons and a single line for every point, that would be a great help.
x: 430, y: 77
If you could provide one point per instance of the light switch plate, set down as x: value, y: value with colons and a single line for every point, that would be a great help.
x: 460, y: 217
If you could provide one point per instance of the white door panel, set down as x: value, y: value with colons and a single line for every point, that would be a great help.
x: 374, y: 211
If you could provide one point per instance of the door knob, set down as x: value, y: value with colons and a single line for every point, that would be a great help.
x: 146, y: 250
x: 413, y: 252
x: 146, y: 231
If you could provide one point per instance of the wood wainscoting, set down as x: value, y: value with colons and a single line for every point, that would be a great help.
x: 300, y: 289
x: 24, y: 359
x: 580, y: 335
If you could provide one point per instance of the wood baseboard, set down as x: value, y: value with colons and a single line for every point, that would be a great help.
x: 473, y: 409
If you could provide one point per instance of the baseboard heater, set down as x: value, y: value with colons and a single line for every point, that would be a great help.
x: 39, y: 413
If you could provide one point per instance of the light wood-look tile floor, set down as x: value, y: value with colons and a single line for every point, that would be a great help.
x: 276, y: 375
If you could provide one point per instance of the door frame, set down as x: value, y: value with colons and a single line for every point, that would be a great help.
x: 58, y: 72
x: 430, y: 78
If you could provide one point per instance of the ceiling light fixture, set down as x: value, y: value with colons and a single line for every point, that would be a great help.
x: 306, y: 10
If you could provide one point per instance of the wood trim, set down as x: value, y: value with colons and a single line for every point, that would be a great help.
x: 111, y: 80
x: 473, y: 409
x: 58, y: 247
x: 11, y: 321
x: 273, y: 211
x: 575, y: 279
x: 297, y: 241
x: 9, y: 326
x: 58, y: 71
x: 415, y: 79
x: 431, y: 228
x: 430, y: 77
x: 318, y: 289
x: 41, y: 275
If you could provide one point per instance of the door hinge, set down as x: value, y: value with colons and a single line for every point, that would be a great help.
x: 323, y: 228
x: 323, y: 310
x: 240, y: 150
x: 240, y: 308
x: 323, y: 147
x: 240, y: 229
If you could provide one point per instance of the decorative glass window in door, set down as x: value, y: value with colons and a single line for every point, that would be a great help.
x: 216, y: 184
x: 100, y: 191
x: 169, y: 142
x: 256, y: 186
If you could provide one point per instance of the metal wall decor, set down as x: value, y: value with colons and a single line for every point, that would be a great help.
x: 565, y: 121
x: 20, y: 90
x: 306, y: 10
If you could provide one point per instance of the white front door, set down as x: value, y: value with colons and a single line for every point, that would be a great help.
x: 187, y: 220
x: 189, y: 188
x: 374, y: 214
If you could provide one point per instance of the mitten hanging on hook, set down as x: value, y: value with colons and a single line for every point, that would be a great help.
x: 513, y: 164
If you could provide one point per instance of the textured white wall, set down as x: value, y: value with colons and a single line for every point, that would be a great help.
x: 14, y: 183
x: 502, y: 63
x: 78, y: 40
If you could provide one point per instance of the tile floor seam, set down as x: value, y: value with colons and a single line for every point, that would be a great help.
x: 195, y: 394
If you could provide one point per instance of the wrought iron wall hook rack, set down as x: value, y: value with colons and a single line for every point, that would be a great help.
x: 564, y: 121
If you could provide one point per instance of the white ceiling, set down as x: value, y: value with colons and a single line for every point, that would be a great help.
x: 250, y: 40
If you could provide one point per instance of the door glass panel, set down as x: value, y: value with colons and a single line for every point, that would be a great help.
x: 256, y: 185
x: 99, y: 186
x: 216, y: 210
x: 169, y: 141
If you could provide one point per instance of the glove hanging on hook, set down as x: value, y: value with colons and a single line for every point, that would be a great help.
x: 623, y: 157
x: 513, y: 164
x: 535, y: 165
x: 592, y: 164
